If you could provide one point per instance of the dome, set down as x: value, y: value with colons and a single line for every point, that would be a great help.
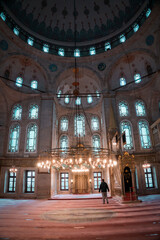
x: 52, y: 24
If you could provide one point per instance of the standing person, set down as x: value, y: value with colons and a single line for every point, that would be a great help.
x: 104, y: 188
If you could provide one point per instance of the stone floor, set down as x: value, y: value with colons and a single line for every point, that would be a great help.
x: 80, y: 219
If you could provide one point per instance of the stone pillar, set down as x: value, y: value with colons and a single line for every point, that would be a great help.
x: 53, y: 181
x: 46, y: 123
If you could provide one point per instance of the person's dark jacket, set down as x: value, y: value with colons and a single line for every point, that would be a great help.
x: 103, y: 187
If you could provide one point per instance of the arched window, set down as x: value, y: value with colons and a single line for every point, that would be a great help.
x: 123, y: 109
x: 33, y: 111
x: 107, y: 46
x: 78, y: 101
x: 122, y: 81
x: 64, y: 124
x: 126, y: 127
x: 89, y: 99
x: 66, y: 100
x: 144, y: 134
x: 3, y: 16
x: 59, y: 94
x: 135, y: 27
x: 14, y: 138
x: 34, y: 84
x: 31, y: 138
x: 122, y: 38
x: 63, y: 142
x: 76, y: 53
x: 96, y: 142
x: 61, y: 52
x: 17, y: 112
x: 98, y: 94
x: 30, y: 41
x: 79, y: 125
x: 92, y: 51
x: 148, y: 12
x: 95, y: 123
x: 16, y: 31
x: 137, y: 78
x: 140, y: 108
x: 19, y: 82
x: 45, y: 48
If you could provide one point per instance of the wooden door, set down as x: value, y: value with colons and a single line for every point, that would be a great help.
x: 81, y: 183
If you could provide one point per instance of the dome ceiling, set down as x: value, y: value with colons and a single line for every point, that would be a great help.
x: 54, y: 20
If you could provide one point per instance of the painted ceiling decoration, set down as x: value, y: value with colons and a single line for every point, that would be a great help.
x: 52, y: 20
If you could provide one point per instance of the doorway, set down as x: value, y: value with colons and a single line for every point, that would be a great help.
x: 127, y: 179
x: 81, y: 183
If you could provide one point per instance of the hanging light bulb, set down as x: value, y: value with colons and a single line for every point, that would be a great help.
x: 104, y: 161
x: 13, y: 169
x: 115, y: 163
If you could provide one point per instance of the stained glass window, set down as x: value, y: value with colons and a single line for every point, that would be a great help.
x: 64, y: 124
x: 96, y: 141
x: 92, y: 51
x: 66, y: 100
x: 148, y: 12
x: 61, y: 52
x: 30, y: 41
x: 122, y: 38
x: 34, y: 84
x: 17, y: 112
x: 30, y: 181
x: 126, y: 127
x: 144, y: 134
x: 98, y: 94
x: 97, y: 180
x: 107, y: 46
x: 89, y: 99
x: 123, y: 109
x: 135, y: 27
x: 76, y: 53
x: 79, y: 125
x: 11, y: 181
x: 137, y: 78
x: 78, y: 101
x: 19, y: 82
x: 63, y: 142
x: 31, y: 138
x: 122, y: 81
x: 45, y: 48
x: 95, y: 123
x: 33, y: 111
x: 16, y: 31
x: 59, y: 94
x: 14, y: 138
x: 140, y: 108
x: 3, y: 16
x: 64, y: 180
x: 148, y: 177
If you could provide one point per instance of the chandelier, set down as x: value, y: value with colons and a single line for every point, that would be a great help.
x: 13, y: 169
x: 79, y: 158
